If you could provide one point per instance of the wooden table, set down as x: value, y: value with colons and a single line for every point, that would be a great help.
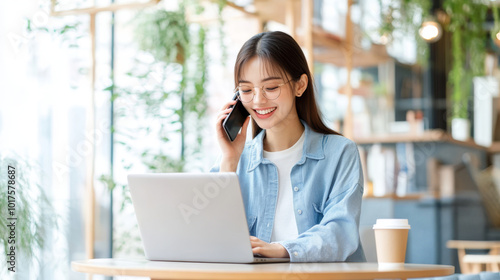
x: 268, y: 271
x: 463, y: 259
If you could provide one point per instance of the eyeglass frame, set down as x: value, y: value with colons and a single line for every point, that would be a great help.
x: 263, y: 92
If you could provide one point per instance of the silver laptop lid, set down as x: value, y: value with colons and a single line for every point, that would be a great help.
x: 191, y: 217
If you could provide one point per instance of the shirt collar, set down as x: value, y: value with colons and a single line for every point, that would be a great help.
x: 313, y: 147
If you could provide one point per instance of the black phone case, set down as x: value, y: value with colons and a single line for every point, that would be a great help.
x: 235, y: 119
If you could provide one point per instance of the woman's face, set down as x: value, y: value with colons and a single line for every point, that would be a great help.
x: 268, y: 113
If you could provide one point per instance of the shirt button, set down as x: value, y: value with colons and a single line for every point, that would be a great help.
x: 300, y: 212
x: 295, y: 253
x: 267, y: 225
x: 296, y: 189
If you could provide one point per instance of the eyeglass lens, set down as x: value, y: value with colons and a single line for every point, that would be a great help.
x: 270, y: 91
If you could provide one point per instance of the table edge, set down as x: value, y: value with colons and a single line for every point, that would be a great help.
x: 79, y: 266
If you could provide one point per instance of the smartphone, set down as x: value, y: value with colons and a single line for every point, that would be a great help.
x: 235, y: 119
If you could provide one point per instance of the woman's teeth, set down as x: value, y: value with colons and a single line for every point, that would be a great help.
x: 263, y: 112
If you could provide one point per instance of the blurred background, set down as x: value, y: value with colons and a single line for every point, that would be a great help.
x: 93, y: 90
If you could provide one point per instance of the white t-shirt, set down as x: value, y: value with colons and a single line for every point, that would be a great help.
x: 285, y: 226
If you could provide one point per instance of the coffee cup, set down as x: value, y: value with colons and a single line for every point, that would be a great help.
x: 391, y: 236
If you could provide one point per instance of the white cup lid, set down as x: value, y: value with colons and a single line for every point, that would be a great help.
x: 391, y: 224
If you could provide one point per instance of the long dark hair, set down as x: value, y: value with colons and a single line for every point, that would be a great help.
x: 279, y: 51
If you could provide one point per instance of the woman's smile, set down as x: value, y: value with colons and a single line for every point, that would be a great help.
x: 264, y: 113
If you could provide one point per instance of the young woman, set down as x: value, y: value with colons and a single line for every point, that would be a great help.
x: 301, y: 181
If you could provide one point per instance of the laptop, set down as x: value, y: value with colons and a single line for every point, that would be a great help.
x: 193, y: 217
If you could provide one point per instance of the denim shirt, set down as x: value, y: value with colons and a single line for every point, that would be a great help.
x: 327, y: 187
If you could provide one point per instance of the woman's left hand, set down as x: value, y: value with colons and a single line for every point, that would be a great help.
x: 269, y: 250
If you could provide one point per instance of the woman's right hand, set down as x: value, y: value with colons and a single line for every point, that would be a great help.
x: 231, y: 151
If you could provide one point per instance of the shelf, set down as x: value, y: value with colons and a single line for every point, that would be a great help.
x: 494, y: 148
x: 435, y: 135
x: 328, y: 48
x: 413, y: 103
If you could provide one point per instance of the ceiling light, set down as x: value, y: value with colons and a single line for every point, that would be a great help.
x: 430, y: 31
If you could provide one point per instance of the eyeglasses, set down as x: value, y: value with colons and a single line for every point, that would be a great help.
x: 270, y: 91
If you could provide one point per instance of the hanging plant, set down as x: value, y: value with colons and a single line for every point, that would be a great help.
x: 221, y: 5
x: 165, y: 34
x: 169, y: 38
x: 169, y: 90
x: 496, y: 24
x: 468, y: 50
